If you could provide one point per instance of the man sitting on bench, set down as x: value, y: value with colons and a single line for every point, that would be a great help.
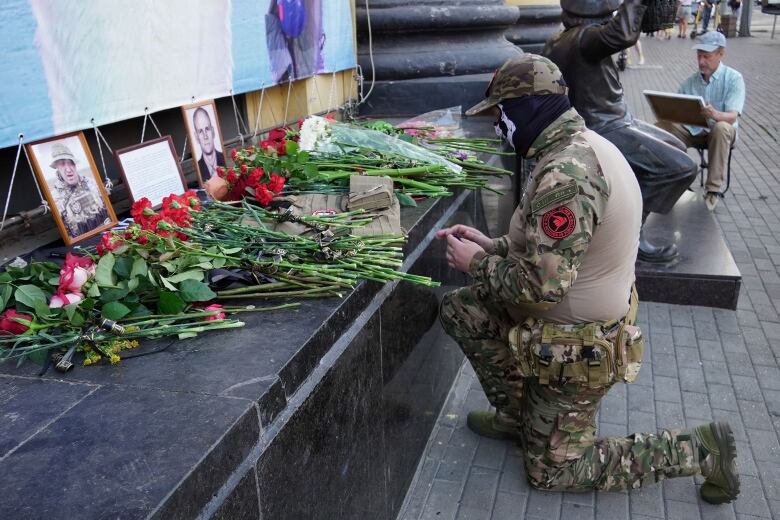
x: 723, y: 90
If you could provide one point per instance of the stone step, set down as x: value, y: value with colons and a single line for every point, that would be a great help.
x: 704, y: 274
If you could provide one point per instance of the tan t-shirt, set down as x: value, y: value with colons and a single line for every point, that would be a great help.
x: 603, y: 284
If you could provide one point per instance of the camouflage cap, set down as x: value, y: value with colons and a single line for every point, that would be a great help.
x: 524, y: 75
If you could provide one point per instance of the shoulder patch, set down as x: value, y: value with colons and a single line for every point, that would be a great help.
x: 564, y: 193
x: 559, y: 222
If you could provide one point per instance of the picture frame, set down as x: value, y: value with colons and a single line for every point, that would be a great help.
x: 72, y: 185
x: 205, y: 132
x: 151, y: 169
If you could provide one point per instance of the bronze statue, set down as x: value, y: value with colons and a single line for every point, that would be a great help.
x: 583, y: 51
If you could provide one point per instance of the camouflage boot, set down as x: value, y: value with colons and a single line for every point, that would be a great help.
x: 495, y: 425
x: 717, y: 454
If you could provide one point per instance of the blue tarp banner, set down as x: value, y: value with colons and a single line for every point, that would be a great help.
x: 65, y: 63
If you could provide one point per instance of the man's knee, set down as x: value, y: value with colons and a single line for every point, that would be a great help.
x: 722, y: 129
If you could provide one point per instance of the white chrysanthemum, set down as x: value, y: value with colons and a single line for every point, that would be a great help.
x: 314, y: 130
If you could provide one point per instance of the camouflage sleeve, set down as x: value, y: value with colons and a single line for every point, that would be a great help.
x: 501, y: 246
x: 559, y: 225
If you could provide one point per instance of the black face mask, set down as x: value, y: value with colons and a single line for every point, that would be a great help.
x: 523, y: 119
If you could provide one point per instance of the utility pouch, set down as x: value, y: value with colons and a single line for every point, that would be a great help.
x: 629, y: 349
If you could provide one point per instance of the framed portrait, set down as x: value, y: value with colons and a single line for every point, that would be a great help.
x: 72, y: 185
x: 152, y: 170
x: 205, y: 138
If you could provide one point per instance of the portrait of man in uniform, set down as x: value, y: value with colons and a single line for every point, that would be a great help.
x: 72, y: 185
x: 205, y: 138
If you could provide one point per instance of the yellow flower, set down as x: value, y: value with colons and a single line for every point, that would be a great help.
x: 114, y: 359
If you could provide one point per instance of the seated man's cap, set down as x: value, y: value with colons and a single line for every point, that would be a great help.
x: 525, y: 75
x: 60, y: 151
x: 710, y: 41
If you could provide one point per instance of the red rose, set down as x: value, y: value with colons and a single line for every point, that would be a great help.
x: 263, y: 196
x: 214, y: 317
x: 267, y: 144
x: 277, y: 183
x: 9, y: 324
x: 233, y: 153
x: 221, y: 172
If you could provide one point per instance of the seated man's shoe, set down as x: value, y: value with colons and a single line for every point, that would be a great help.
x: 718, y: 453
x: 492, y: 424
x: 656, y: 254
x: 711, y: 199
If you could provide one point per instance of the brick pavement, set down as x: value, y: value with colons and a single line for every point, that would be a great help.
x: 700, y: 363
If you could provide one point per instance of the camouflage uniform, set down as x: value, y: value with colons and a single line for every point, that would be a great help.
x: 544, y: 377
x: 81, y: 207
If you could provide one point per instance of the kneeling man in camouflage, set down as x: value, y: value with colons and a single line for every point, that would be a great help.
x: 549, y: 322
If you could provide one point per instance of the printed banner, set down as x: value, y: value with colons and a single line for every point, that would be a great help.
x: 64, y: 64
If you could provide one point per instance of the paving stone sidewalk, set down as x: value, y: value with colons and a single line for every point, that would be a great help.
x: 700, y: 363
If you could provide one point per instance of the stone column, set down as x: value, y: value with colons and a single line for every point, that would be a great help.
x: 537, y: 21
x: 430, y: 54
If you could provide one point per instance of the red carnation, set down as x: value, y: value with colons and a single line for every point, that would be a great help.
x: 221, y: 172
x: 231, y: 176
x: 233, y: 153
x: 267, y: 144
x: 244, y: 168
x: 277, y: 183
x: 263, y: 196
x: 141, y: 208
x: 277, y: 134
x: 281, y: 148
x: 255, y: 177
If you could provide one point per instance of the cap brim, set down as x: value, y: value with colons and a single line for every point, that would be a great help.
x: 705, y: 47
x: 480, y: 107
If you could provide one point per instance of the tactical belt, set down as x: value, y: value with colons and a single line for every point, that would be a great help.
x: 609, y: 352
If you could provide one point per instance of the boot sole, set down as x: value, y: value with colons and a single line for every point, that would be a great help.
x: 728, y: 449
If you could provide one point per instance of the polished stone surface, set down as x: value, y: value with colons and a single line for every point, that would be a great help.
x: 705, y: 272
x: 119, y: 451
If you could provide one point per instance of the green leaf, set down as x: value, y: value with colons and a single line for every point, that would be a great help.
x: 75, y: 317
x: 139, y: 268
x: 6, y: 277
x: 171, y: 267
x: 291, y: 147
x: 30, y: 295
x: 230, y: 250
x: 168, y: 285
x: 112, y: 295
x: 5, y: 296
x: 406, y: 200
x: 54, y: 280
x: 87, y: 305
x: 195, y: 274
x: 170, y: 303
x: 123, y: 266
x: 38, y: 356
x: 114, y: 311
x: 194, y: 291
x: 42, y: 309
x: 132, y: 284
x: 140, y: 310
x: 93, y: 291
x: 186, y: 335
x: 104, y: 275
x: 310, y: 170
x: 218, y: 263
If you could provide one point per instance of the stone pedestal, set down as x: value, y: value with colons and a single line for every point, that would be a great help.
x: 430, y: 54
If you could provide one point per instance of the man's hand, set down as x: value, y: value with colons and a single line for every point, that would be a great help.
x: 469, y: 233
x: 727, y: 117
x: 709, y: 112
x: 460, y: 252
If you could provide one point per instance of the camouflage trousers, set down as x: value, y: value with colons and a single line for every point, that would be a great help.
x: 557, y: 422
